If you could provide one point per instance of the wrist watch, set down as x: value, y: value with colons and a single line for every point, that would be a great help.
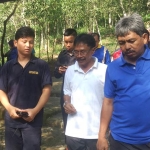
x: 65, y: 103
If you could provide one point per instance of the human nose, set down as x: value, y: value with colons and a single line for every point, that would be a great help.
x: 127, y: 45
x: 79, y: 54
x: 68, y: 44
x: 27, y: 44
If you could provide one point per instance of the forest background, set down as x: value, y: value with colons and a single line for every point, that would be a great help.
x: 50, y: 18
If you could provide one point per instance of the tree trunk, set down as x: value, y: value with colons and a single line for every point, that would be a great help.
x: 123, y: 9
x: 4, y: 31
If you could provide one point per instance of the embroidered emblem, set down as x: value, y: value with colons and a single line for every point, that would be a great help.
x: 33, y: 72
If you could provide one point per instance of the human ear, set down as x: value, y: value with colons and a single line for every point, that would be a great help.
x: 15, y: 43
x: 93, y: 50
x: 145, y: 38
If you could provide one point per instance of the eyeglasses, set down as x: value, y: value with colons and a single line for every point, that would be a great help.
x: 82, y: 52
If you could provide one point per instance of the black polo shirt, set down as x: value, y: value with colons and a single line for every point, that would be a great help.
x: 24, y: 87
x: 64, y: 59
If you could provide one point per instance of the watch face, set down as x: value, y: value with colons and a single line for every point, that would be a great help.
x: 65, y: 103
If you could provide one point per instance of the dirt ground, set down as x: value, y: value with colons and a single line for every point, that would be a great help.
x: 52, y: 136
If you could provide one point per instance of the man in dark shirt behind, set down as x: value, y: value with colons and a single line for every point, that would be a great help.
x: 12, y: 53
x: 65, y: 59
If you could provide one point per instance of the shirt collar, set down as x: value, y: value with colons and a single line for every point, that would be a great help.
x: 77, y: 67
x: 146, y: 55
x: 32, y: 60
x: 99, y: 46
x: 66, y: 52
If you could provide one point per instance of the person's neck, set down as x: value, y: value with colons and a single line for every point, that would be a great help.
x: 86, y: 67
x: 70, y: 52
x: 23, y: 60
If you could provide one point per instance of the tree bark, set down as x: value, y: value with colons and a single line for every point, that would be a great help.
x: 123, y: 9
x: 4, y: 30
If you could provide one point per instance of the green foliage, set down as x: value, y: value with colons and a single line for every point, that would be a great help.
x: 50, y: 18
x: 111, y: 43
x: 82, y: 30
x: 107, y: 32
x: 108, y: 38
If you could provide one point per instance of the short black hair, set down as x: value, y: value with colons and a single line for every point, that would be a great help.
x: 95, y: 34
x: 70, y: 31
x: 85, y: 39
x: 25, y: 31
x: 11, y: 43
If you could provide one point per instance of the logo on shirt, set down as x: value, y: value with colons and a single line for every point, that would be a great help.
x: 33, y: 72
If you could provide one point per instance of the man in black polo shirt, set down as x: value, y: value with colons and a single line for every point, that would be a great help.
x: 25, y: 86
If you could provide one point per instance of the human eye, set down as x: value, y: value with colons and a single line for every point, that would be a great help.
x: 65, y: 42
x: 131, y: 41
x: 31, y: 42
x: 82, y: 52
x: 24, y: 41
x: 121, y: 42
x: 75, y: 52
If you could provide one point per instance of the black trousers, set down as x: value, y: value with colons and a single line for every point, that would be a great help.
x: 80, y: 144
x: 23, y: 138
x: 117, y: 145
x: 64, y: 114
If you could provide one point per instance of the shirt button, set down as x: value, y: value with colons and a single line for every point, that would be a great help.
x: 134, y: 67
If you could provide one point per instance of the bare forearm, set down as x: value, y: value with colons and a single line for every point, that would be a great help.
x: 107, y: 108
x: 43, y: 99
x: 106, y: 114
x: 4, y: 100
x: 10, y: 109
x: 69, y: 108
x: 67, y: 98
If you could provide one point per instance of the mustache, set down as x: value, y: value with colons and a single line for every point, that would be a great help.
x: 78, y: 59
x: 129, y: 51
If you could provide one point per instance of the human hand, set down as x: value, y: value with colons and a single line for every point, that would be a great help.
x: 62, y: 69
x: 31, y: 114
x: 12, y: 112
x: 102, y: 144
x: 69, y: 108
x: 22, y: 114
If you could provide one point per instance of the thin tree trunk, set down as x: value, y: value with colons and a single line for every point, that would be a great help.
x: 110, y: 20
x: 4, y: 30
x: 123, y: 9
x: 48, y: 43
x: 40, y: 45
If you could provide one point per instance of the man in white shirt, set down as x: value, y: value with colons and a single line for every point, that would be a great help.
x: 83, y: 95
